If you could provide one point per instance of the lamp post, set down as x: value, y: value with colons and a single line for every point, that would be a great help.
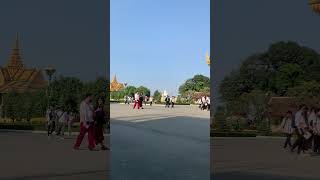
x: 315, y: 5
x: 49, y: 72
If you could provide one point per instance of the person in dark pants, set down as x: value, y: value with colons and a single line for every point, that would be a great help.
x: 300, y: 128
x: 50, y: 116
x: 316, y: 132
x: 286, y: 127
x: 100, y: 120
x: 167, y: 100
x: 141, y: 101
x: 173, y: 101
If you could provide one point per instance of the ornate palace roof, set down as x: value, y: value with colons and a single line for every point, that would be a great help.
x: 15, y: 76
x: 114, y: 85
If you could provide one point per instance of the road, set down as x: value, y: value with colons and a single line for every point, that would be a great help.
x: 157, y: 143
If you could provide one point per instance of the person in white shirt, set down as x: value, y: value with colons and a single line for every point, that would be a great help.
x: 86, y: 122
x: 203, y: 103
x: 62, y: 122
x: 173, y: 101
x: 316, y: 132
x: 151, y: 100
x: 208, y: 103
x: 286, y: 127
x: 300, y: 125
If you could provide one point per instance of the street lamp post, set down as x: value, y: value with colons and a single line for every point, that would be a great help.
x: 49, y: 71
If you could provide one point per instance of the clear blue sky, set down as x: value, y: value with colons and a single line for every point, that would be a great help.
x: 159, y: 43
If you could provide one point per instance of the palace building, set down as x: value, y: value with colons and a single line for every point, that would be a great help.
x: 115, y: 85
x: 14, y: 76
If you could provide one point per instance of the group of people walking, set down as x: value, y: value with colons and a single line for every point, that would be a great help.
x: 204, y: 103
x: 138, y: 100
x: 305, y: 125
x: 57, y: 120
x: 93, y: 120
x: 170, y: 101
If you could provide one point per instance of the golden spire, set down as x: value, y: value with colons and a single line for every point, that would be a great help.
x: 114, y: 80
x: 114, y: 85
x: 208, y: 58
x: 15, y: 59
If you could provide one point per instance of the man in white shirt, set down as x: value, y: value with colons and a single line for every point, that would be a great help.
x: 86, y: 122
x: 300, y: 126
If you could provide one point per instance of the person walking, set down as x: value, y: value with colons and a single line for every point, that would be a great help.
x: 208, y: 103
x: 151, y: 100
x: 100, y: 121
x: 173, y: 101
x: 286, y: 127
x: 141, y: 101
x: 71, y: 119
x: 300, y: 127
x: 50, y: 121
x: 86, y: 123
x: 167, y: 100
x: 316, y: 132
x: 62, y: 122
x: 136, y: 101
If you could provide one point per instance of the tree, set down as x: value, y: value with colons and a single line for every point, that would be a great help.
x: 10, y: 105
x: 66, y: 88
x: 197, y: 83
x: 288, y: 76
x: 157, y: 96
x: 130, y: 91
x: 283, y: 66
x: 145, y: 91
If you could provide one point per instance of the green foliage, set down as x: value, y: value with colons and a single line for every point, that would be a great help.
x: 64, y: 92
x: 144, y: 90
x: 199, y: 83
x: 130, y: 91
x: 157, y: 96
x: 220, y: 119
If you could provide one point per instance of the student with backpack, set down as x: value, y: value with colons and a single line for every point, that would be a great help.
x: 286, y: 127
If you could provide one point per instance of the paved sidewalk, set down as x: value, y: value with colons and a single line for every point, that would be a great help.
x: 32, y: 156
x: 254, y: 158
x: 159, y: 143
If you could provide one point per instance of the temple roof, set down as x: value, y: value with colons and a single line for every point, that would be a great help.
x: 114, y: 85
x: 15, y: 76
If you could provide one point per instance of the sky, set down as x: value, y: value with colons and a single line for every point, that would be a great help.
x: 159, y: 43
x: 69, y: 35
x: 242, y: 28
